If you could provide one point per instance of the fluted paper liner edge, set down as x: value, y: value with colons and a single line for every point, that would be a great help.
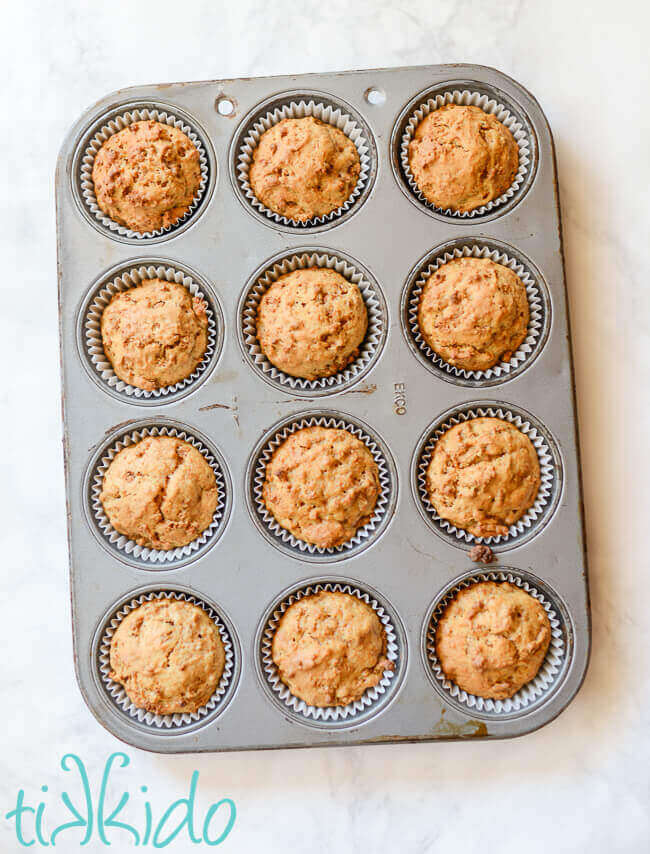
x: 115, y: 125
x: 529, y: 693
x: 332, y: 115
x: 117, y: 692
x: 334, y: 714
x: 536, y: 307
x: 92, y: 334
x: 488, y: 105
x: 369, y: 347
x: 546, y: 466
x: 121, y: 541
x: 264, y: 456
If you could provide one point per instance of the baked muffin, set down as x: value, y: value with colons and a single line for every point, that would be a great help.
x: 462, y: 157
x: 322, y: 485
x: 146, y: 176
x: 160, y: 492
x: 492, y: 639
x: 329, y: 648
x: 304, y: 168
x: 155, y: 334
x: 310, y: 323
x: 168, y: 655
x: 474, y: 313
x: 483, y: 476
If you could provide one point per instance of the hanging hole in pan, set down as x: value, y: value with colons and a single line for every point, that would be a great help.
x: 375, y: 96
x: 224, y: 105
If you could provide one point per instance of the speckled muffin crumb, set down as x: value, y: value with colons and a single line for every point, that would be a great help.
x: 462, y: 157
x: 304, y: 168
x: 330, y: 648
x: 168, y: 655
x: 160, y: 492
x: 311, y: 322
x: 492, y: 639
x: 155, y: 334
x: 483, y: 476
x: 474, y: 313
x: 322, y: 485
x: 146, y: 176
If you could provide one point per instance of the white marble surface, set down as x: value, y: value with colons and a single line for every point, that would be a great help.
x: 580, y: 784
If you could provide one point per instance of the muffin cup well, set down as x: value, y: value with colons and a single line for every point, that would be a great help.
x: 538, y: 303
x: 90, y: 335
x: 489, y: 104
x: 548, y: 493
x: 550, y: 672
x: 369, y: 349
x: 297, y: 106
x: 112, y: 124
x: 128, y: 550
x: 116, y: 691
x: 284, y: 539
x: 372, y: 700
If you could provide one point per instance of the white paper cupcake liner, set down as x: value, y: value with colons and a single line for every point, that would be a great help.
x: 116, y: 691
x: 526, y: 350
x: 93, y: 336
x: 364, y: 535
x: 329, y: 714
x: 327, y: 113
x: 369, y: 348
x: 488, y: 105
x: 548, y: 475
x: 547, y: 676
x: 113, y: 126
x: 121, y: 542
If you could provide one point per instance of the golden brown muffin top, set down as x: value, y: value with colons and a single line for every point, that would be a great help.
x: 474, y: 313
x: 160, y: 492
x: 155, y: 334
x: 168, y: 655
x: 483, y: 476
x: 492, y: 639
x: 329, y: 648
x: 322, y: 485
x: 311, y: 322
x: 146, y: 176
x: 462, y: 157
x: 304, y: 168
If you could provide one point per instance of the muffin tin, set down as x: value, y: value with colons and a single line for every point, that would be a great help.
x: 404, y: 562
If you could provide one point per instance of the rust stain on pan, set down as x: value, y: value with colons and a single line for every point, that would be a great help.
x: 364, y: 389
x: 234, y: 408
x: 442, y: 730
x: 215, y: 406
x: 469, y: 729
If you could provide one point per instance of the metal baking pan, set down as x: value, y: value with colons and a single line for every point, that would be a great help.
x: 408, y: 561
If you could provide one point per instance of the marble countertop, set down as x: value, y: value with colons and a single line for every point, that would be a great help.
x: 582, y: 782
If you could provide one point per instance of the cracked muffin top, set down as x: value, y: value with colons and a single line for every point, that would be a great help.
x: 154, y: 334
x: 160, y: 492
x: 304, y: 168
x: 310, y: 323
x: 322, y: 485
x: 462, y: 157
x: 146, y: 176
x: 483, y: 476
x: 330, y: 648
x: 168, y: 655
x: 492, y: 639
x: 474, y: 313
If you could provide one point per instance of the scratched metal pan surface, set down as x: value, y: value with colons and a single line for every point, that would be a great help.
x: 408, y: 561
